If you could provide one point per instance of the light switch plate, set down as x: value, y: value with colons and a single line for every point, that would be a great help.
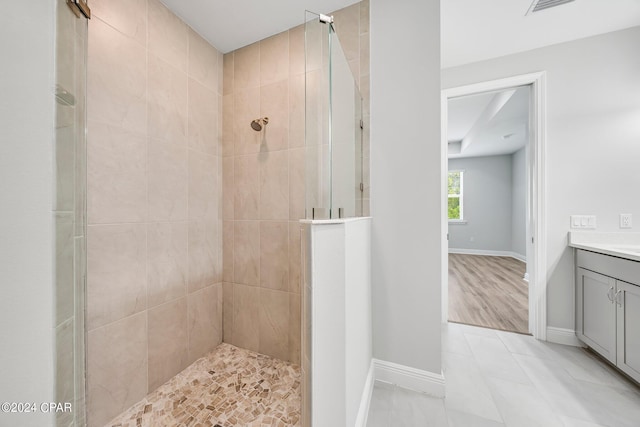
x: 583, y: 222
x: 626, y: 221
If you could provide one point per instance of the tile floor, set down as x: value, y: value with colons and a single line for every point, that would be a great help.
x: 496, y: 378
x: 228, y: 387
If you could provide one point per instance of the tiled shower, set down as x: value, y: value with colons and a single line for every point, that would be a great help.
x: 193, y: 235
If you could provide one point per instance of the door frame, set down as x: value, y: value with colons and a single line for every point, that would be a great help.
x: 536, y: 184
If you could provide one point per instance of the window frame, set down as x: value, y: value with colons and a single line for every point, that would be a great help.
x: 460, y: 197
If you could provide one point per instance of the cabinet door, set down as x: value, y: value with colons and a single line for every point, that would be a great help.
x: 596, y: 312
x: 628, y: 308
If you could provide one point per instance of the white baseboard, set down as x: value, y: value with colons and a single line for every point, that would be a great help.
x: 363, y: 411
x: 563, y: 336
x: 409, y: 378
x: 488, y: 253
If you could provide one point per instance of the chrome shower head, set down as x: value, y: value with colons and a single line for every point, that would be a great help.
x: 257, y: 124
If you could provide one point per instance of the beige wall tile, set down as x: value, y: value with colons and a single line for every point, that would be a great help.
x: 296, y: 111
x: 168, y: 353
x: 354, y: 66
x: 203, y: 61
x: 117, y: 175
x: 297, y: 179
x: 274, y: 185
x: 203, y: 119
x: 116, y: 79
x: 168, y: 180
x: 64, y: 388
x: 228, y: 66
x: 227, y: 312
x: 203, y: 194
x: 246, y: 196
x: 296, y: 50
x: 204, y: 321
x: 127, y: 16
x: 246, y: 67
x: 274, y: 323
x: 203, y: 253
x: 167, y: 107
x: 274, y: 58
x: 64, y: 256
x: 228, y: 125
x: 117, y: 272
x: 364, y: 55
x: 168, y: 38
x: 246, y: 318
x: 65, y: 168
x: 274, y: 251
x: 295, y: 259
x: 347, y: 24
x: 167, y: 265
x: 364, y: 16
x: 227, y: 250
x: 227, y: 188
x: 295, y: 324
x: 274, y: 104
x: 246, y: 103
x: 246, y: 252
x: 116, y: 368
x: 220, y: 73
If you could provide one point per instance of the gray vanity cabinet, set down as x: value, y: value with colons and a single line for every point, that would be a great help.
x: 608, y: 308
x: 596, y: 312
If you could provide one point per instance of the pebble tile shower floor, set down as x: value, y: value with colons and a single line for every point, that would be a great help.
x: 228, y: 387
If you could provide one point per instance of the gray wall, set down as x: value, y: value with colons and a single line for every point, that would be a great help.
x: 406, y: 235
x: 519, y: 202
x: 592, y: 151
x: 487, y: 204
x: 26, y: 230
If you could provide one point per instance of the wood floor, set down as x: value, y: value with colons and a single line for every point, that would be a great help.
x: 488, y: 291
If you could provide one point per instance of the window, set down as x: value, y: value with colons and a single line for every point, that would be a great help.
x: 455, y: 189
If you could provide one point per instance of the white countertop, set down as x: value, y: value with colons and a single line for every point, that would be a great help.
x: 621, y: 245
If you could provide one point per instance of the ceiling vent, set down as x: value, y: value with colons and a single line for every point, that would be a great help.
x: 539, y: 5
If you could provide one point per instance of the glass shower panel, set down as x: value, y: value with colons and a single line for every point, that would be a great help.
x: 70, y: 213
x: 346, y: 135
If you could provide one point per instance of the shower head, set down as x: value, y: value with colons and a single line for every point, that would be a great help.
x: 257, y: 124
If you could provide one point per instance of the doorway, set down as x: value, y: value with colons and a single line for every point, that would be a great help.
x: 497, y: 94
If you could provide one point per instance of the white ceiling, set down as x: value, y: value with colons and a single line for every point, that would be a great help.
x: 229, y: 25
x: 488, y: 124
x: 475, y: 30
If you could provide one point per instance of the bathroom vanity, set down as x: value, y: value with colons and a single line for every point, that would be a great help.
x: 608, y: 299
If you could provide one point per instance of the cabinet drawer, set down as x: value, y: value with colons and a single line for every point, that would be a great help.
x: 611, y: 266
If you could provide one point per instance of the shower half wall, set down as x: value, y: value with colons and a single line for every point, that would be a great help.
x: 264, y: 181
x: 154, y: 230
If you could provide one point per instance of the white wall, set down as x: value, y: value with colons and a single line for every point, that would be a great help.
x: 593, y: 134
x: 26, y: 192
x: 519, y: 202
x: 405, y: 182
x: 487, y: 204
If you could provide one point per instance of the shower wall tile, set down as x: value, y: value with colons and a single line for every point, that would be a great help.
x: 364, y: 55
x: 228, y: 126
x: 246, y: 195
x: 203, y: 61
x: 296, y: 183
x: 127, y: 16
x: 64, y: 385
x: 116, y: 368
x: 364, y: 16
x: 168, y: 345
x: 65, y: 168
x: 117, y: 79
x: 246, y: 252
x: 246, y: 317
x: 204, y: 321
x: 274, y: 255
x: 227, y: 311
x: 64, y: 267
x: 295, y: 259
x: 227, y: 248
x: 246, y: 67
x: 167, y: 261
x: 246, y: 108
x: 296, y: 51
x: 203, y: 253
x: 347, y: 23
x: 167, y: 106
x: 227, y: 188
x: 274, y: 183
x: 274, y: 323
x: 228, y: 77
x: 203, y: 131
x: 295, y: 325
x: 116, y: 175
x: 168, y: 36
x: 296, y: 111
x: 274, y: 58
x: 274, y: 104
x: 116, y: 272
x: 167, y: 181
x: 203, y: 194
